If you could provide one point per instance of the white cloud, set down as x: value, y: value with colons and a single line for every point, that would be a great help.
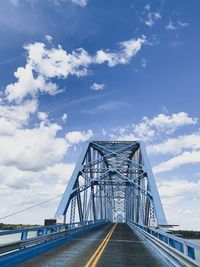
x: 172, y: 122
x: 175, y: 162
x: 150, y: 16
x: 97, y: 86
x: 20, y: 189
x: 33, y: 149
x: 176, y: 145
x: 128, y: 49
x: 76, y: 137
x: 18, y: 113
x: 143, y: 130
x: 49, y: 38
x: 19, y: 179
x: 180, y: 198
x: 178, y: 187
x: 81, y: 3
x: 64, y: 117
x: 174, y: 26
x: 43, y: 116
x: 45, y: 63
x: 149, y: 129
x: 183, y: 24
x: 14, y: 116
x: 56, y: 62
x: 32, y: 161
x: 27, y: 84
x: 171, y: 26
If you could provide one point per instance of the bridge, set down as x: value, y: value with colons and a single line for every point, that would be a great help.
x: 110, y: 215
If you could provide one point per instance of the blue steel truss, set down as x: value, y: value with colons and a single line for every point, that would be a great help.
x: 112, y: 180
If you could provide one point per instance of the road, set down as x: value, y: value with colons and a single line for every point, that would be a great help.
x: 111, y: 245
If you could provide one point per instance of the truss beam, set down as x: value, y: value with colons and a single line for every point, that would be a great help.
x: 112, y: 180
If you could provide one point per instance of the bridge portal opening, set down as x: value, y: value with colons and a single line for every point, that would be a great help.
x: 112, y: 180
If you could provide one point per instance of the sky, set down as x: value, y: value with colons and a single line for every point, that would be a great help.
x: 79, y: 70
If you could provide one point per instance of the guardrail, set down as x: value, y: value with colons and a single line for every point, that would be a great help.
x: 181, y: 249
x: 38, y: 238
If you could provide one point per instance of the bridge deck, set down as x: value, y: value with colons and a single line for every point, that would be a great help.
x: 123, y: 248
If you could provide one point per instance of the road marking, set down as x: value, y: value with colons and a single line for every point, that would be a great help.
x: 96, y: 256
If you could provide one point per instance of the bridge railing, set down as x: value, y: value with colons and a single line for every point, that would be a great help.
x: 12, y: 240
x: 186, y: 250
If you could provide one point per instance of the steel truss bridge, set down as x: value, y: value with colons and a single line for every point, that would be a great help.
x: 111, y: 216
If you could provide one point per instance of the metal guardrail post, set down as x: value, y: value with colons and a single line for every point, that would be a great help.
x: 24, y: 235
x: 185, y: 251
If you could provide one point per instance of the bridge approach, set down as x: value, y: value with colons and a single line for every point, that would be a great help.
x: 110, y: 215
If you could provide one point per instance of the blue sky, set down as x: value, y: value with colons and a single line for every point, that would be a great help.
x: 74, y: 70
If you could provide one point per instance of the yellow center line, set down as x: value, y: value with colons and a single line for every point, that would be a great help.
x: 96, y: 256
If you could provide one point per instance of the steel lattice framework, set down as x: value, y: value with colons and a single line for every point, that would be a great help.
x: 112, y: 180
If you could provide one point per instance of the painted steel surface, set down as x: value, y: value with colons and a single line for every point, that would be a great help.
x: 112, y: 180
x: 179, y: 251
x: 22, y: 250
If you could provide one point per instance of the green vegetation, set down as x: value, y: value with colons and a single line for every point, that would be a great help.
x: 16, y: 226
x: 187, y: 234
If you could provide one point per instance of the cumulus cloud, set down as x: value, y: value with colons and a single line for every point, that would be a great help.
x: 64, y: 117
x: 176, y: 162
x: 176, y: 145
x: 169, y: 123
x: 24, y: 188
x: 20, y: 179
x: 18, y: 113
x: 128, y: 49
x: 149, y: 129
x: 33, y: 149
x: 180, y: 198
x: 178, y: 187
x: 75, y: 137
x: 45, y: 63
x: 43, y: 116
x: 16, y: 116
x: 31, y: 159
x: 97, y: 86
